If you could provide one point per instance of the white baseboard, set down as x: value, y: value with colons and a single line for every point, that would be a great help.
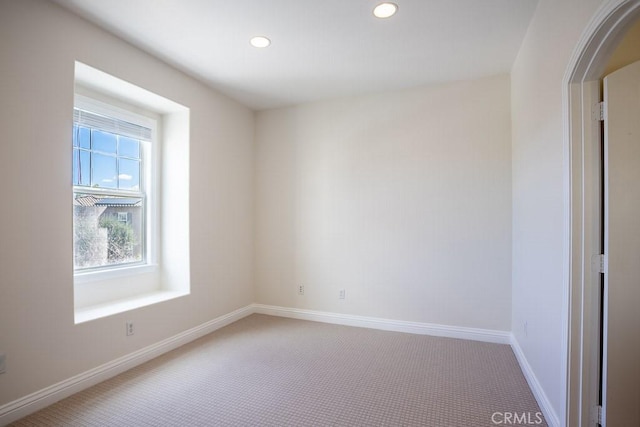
x: 486, y: 335
x: 538, y: 392
x: 24, y: 406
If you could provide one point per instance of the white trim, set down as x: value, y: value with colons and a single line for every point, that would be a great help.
x: 24, y: 406
x: 538, y: 392
x: 485, y: 335
x: 122, y: 270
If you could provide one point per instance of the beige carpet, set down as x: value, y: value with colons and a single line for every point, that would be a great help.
x: 270, y: 371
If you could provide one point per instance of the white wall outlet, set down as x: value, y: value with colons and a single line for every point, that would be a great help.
x: 3, y: 363
x: 341, y: 294
x: 300, y: 289
x: 130, y: 328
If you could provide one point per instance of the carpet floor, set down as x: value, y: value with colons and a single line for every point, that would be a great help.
x: 271, y: 371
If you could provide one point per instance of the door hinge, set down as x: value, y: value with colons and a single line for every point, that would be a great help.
x: 597, y: 414
x: 599, y: 111
x: 599, y: 263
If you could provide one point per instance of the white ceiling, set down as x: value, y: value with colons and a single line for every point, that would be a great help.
x: 320, y: 48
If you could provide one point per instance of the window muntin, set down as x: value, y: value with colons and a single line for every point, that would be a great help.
x: 110, y: 203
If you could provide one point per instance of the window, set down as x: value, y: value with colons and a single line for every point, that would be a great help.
x: 131, y: 226
x: 123, y: 217
x: 111, y: 198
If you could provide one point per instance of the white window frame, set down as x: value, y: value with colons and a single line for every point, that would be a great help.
x: 149, y: 185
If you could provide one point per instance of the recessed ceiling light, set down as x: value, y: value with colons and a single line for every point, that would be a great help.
x: 385, y: 10
x: 260, y: 41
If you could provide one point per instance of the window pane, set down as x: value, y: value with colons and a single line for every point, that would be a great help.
x: 81, y: 167
x: 81, y: 137
x: 107, y: 230
x: 104, y: 171
x: 128, y: 147
x: 129, y: 174
x: 103, y: 141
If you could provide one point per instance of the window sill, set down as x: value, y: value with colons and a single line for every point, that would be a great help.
x: 103, y: 310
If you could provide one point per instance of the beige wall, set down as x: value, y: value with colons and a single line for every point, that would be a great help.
x: 39, y: 43
x: 402, y: 199
x: 540, y: 194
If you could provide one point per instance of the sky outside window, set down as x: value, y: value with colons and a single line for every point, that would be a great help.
x: 105, y: 160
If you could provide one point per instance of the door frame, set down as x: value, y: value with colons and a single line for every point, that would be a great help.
x: 583, y: 198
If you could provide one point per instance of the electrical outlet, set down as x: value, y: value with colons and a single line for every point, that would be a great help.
x: 300, y: 289
x: 130, y: 329
x: 3, y: 363
x: 341, y: 294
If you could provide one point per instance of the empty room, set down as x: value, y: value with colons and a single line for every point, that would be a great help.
x: 313, y: 213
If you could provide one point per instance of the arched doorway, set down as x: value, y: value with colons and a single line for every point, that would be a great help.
x: 582, y: 92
